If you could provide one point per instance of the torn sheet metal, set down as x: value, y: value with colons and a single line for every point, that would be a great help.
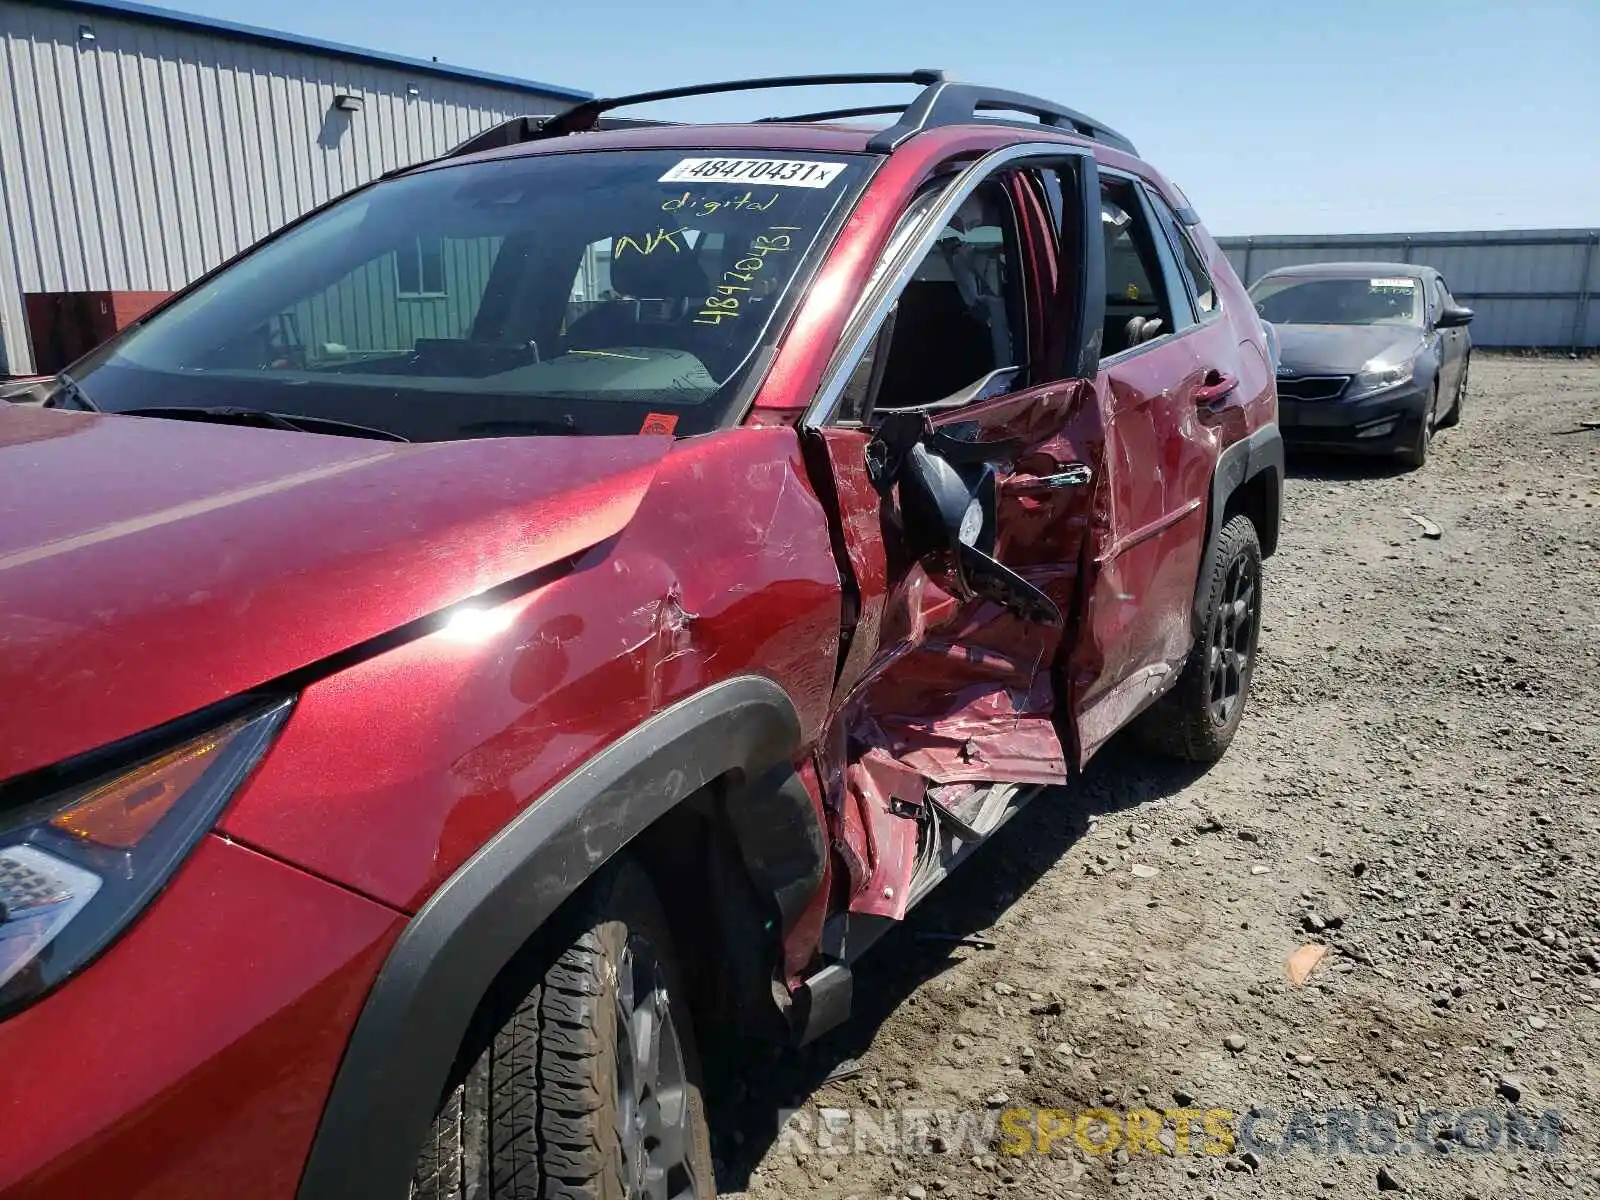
x: 888, y: 797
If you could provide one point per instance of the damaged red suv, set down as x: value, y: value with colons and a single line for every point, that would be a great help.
x: 575, y: 594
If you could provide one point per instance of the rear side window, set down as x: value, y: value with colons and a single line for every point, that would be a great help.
x: 1138, y: 308
x: 1190, y: 261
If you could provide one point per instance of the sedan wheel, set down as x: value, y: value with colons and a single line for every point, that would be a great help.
x: 1416, y: 454
x: 1453, y: 417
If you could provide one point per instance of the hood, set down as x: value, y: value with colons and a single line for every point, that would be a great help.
x: 1343, y: 349
x: 149, y: 568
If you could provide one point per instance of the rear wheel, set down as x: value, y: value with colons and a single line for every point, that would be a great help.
x: 1197, y: 719
x: 580, y: 1080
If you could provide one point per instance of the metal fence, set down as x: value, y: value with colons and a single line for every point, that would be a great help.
x: 1529, y: 287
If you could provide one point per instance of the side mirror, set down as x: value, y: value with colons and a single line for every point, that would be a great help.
x: 1453, y: 316
x: 950, y: 507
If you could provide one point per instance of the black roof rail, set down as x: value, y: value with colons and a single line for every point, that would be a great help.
x: 949, y: 103
x: 941, y: 102
x: 581, y: 117
x: 834, y: 114
x: 528, y: 128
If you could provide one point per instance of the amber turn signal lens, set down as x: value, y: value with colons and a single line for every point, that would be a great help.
x: 121, y: 812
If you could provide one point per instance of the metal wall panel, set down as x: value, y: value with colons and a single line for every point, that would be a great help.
x: 139, y: 159
x: 1529, y: 287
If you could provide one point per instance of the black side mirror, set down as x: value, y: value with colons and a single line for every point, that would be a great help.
x: 1453, y: 316
x: 948, y: 497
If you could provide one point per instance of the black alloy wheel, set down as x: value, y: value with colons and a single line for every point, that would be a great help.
x: 1233, y: 640
x: 1197, y: 718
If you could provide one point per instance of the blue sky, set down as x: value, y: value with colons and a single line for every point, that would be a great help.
x: 1274, y: 116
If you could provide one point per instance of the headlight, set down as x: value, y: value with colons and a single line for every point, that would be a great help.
x: 78, y: 863
x: 1381, y: 378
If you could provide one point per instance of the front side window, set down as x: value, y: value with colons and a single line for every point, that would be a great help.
x: 545, y: 293
x: 1358, y: 300
x: 961, y: 316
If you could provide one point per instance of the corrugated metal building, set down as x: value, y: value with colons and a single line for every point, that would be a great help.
x: 1529, y: 287
x: 140, y: 147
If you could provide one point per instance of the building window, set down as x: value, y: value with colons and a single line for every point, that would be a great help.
x: 419, y: 268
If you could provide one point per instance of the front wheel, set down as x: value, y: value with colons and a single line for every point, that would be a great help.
x: 1197, y: 719
x: 579, y: 1080
x: 1415, y: 455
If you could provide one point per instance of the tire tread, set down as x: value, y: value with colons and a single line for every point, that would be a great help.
x: 531, y: 1101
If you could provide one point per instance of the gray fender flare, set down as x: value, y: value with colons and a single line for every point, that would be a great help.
x: 1260, y: 453
x: 418, y: 1011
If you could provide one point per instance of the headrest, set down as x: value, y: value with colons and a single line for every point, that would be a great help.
x: 663, y: 274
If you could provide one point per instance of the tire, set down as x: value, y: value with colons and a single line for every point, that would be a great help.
x: 1197, y: 719
x: 1453, y: 418
x: 552, y: 1098
x: 1415, y: 456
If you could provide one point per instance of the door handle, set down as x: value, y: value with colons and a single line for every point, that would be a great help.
x: 1216, y: 386
x: 1071, y: 475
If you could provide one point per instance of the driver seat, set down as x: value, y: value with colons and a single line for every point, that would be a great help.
x: 654, y: 291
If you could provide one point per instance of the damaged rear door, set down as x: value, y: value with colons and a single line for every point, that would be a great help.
x: 963, y: 444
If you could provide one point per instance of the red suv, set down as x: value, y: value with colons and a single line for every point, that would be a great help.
x: 578, y: 592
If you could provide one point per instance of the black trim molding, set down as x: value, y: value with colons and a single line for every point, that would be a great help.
x: 406, y: 1038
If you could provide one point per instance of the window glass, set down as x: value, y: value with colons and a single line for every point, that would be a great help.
x: 420, y: 268
x: 1137, y: 307
x: 592, y: 285
x: 960, y: 317
x: 1354, y: 300
x: 370, y: 314
x: 1055, y: 201
x: 1197, y: 273
x: 561, y: 293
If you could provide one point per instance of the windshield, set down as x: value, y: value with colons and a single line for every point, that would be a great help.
x: 1395, y: 300
x: 586, y: 293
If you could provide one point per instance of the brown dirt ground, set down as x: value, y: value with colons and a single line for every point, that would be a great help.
x: 1420, y: 765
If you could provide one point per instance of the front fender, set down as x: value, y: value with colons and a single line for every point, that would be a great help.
x: 417, y: 1014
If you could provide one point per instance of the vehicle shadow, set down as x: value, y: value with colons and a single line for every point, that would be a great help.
x: 1322, y: 467
x: 748, y: 1085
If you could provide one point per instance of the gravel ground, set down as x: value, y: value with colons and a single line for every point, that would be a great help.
x: 1415, y: 788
